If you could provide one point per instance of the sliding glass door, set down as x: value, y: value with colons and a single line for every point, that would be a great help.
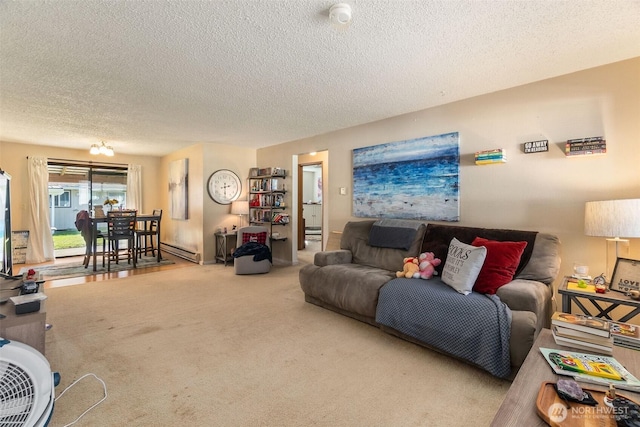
x: 75, y: 187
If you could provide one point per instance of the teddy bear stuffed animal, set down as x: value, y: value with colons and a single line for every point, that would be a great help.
x: 426, y: 264
x: 410, y: 268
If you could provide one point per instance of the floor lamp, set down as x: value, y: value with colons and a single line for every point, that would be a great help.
x: 240, y: 207
x: 615, y: 220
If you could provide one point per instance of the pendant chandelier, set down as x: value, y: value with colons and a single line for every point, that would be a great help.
x: 107, y: 150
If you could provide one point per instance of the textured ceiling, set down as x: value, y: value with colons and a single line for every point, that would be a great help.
x: 157, y: 75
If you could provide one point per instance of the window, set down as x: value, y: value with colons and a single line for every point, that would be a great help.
x: 62, y: 200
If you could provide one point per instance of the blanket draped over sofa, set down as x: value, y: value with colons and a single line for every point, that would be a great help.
x: 424, y: 309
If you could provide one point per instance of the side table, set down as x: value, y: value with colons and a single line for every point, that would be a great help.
x: 224, y: 243
x: 613, y: 298
x: 25, y: 328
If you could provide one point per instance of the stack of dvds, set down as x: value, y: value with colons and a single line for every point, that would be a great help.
x: 625, y: 335
x: 582, y: 332
x: 489, y: 157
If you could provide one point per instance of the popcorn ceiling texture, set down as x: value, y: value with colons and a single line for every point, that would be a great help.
x: 155, y: 76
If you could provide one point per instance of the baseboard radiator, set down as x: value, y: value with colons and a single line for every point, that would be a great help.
x: 180, y: 252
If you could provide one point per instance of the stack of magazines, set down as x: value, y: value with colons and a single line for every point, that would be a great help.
x: 625, y: 335
x: 582, y: 332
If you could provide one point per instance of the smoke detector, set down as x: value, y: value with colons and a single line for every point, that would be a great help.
x: 340, y: 14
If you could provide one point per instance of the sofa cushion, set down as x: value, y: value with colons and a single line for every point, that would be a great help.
x: 463, y: 265
x: 349, y: 287
x: 500, y: 264
x: 393, y: 233
x: 355, y: 238
x: 438, y: 236
x: 545, y: 260
x: 529, y: 295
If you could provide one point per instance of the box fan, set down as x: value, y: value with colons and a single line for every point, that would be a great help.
x: 26, y: 386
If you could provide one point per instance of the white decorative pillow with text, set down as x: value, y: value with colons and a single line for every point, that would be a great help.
x: 463, y: 265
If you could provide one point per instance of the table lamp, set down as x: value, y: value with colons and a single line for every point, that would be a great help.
x: 615, y: 220
x: 240, y: 207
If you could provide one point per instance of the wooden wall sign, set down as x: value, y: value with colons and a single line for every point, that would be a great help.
x: 536, y: 146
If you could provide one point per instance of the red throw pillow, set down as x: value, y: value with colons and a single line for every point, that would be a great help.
x: 255, y: 237
x: 500, y: 264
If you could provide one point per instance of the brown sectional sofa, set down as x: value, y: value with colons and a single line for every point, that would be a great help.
x: 349, y: 280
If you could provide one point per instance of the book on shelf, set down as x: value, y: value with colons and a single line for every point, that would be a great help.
x: 591, y: 368
x: 574, y: 334
x: 589, y: 140
x: 494, y: 151
x: 490, y: 156
x: 499, y: 153
x: 579, y: 147
x: 604, y: 348
x: 491, y: 161
x: 628, y: 345
x: 625, y: 334
x: 580, y: 322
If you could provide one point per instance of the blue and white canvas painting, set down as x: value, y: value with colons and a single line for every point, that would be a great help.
x: 412, y: 179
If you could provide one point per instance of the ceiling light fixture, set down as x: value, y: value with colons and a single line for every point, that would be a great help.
x: 96, y: 149
x: 340, y: 14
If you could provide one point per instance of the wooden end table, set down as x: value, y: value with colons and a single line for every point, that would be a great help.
x: 613, y: 298
x: 519, y: 405
x: 225, y: 242
x: 25, y: 328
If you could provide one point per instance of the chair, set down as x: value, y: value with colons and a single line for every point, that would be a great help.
x: 121, y: 226
x: 145, y: 236
x: 245, y: 264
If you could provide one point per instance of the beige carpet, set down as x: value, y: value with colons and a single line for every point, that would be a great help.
x: 199, y: 346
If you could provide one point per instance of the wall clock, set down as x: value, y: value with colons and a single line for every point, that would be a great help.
x: 224, y: 186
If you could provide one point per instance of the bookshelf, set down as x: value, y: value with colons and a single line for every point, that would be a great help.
x: 267, y: 205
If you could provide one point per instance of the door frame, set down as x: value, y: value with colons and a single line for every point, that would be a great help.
x: 301, y: 227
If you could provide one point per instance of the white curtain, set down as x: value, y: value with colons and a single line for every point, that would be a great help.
x: 134, y: 187
x: 40, y: 247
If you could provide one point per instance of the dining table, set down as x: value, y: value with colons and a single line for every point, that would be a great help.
x: 146, y: 218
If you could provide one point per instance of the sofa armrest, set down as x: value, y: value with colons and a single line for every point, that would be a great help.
x: 332, y: 257
x: 528, y: 295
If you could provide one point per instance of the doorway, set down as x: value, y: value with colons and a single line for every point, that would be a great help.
x: 311, y: 206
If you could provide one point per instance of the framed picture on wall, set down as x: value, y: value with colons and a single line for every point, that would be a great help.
x: 179, y: 189
x: 626, y: 275
x: 411, y: 179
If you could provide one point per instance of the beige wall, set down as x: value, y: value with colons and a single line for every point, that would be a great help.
x: 542, y: 191
x: 205, y: 215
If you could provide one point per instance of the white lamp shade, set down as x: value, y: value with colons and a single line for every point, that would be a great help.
x: 240, y: 207
x: 612, y: 218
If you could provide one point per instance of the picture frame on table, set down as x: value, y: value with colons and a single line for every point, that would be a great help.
x: 626, y: 275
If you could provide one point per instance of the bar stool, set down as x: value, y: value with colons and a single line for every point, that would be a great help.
x: 145, y: 236
x: 121, y: 226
